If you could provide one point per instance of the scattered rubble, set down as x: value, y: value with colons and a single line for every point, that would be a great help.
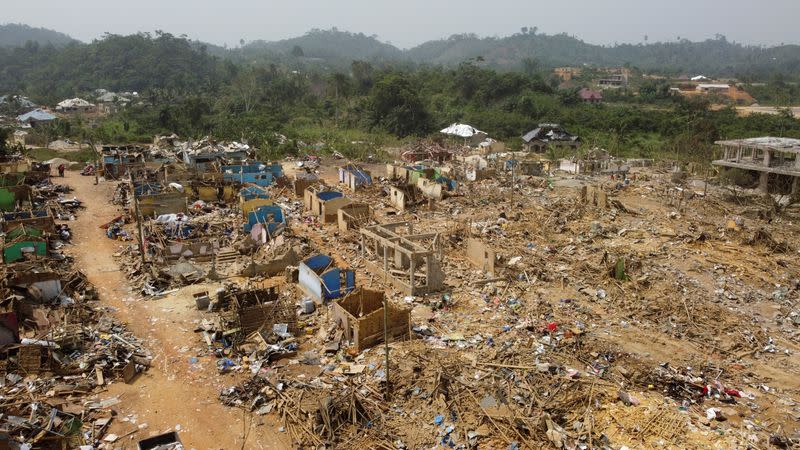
x: 59, y: 348
x: 523, y: 307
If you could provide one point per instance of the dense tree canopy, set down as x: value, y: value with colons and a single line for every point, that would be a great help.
x: 186, y: 90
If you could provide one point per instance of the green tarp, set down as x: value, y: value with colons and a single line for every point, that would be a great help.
x: 7, y: 200
x: 13, y: 252
x: 23, y: 231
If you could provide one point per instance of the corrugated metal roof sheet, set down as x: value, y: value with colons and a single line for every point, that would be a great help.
x: 37, y: 115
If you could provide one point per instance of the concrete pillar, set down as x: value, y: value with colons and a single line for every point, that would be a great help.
x: 767, y: 157
x: 738, y: 154
x: 795, y: 186
x: 411, y: 271
x: 385, y: 264
x: 763, y: 182
x: 427, y: 270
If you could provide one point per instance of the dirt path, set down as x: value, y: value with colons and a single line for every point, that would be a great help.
x: 180, y: 391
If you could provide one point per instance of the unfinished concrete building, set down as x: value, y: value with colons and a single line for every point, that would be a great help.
x: 771, y: 157
x: 412, y: 262
x: 354, y: 216
x: 361, y: 316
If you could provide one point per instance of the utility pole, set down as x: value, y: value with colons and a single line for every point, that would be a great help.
x: 138, y: 220
x: 96, y: 163
x: 386, y: 318
x: 514, y: 163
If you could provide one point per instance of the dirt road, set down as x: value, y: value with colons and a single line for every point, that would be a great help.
x: 180, y: 391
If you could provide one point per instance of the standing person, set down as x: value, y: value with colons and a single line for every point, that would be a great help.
x: 61, y: 169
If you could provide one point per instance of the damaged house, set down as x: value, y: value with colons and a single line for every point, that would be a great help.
x: 360, y: 314
x: 202, y: 155
x: 354, y: 177
x: 319, y: 277
x: 75, y: 106
x: 324, y: 203
x: 595, y: 160
x: 247, y: 311
x: 548, y: 135
x: 354, y: 216
x: 303, y: 180
x: 120, y: 160
x: 415, y: 184
x: 771, y: 158
x: 259, y: 174
x: 411, y: 262
x: 252, y: 197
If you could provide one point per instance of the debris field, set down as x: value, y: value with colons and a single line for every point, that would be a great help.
x: 463, y: 301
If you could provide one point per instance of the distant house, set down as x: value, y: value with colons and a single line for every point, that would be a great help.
x: 16, y: 103
x: 18, y: 138
x: 110, y: 102
x: 613, y: 81
x: 733, y: 92
x: 711, y: 88
x: 548, y: 135
x: 36, y: 116
x: 590, y: 96
x: 567, y: 73
x: 111, y: 97
x: 75, y: 105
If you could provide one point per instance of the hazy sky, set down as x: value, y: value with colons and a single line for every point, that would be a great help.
x: 406, y: 23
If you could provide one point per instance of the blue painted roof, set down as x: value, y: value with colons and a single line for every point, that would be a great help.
x: 37, y: 115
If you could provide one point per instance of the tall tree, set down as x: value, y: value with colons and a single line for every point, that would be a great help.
x: 398, y: 108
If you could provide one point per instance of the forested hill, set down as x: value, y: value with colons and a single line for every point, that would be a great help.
x: 330, y: 45
x: 17, y: 35
x: 712, y: 57
x: 159, y: 63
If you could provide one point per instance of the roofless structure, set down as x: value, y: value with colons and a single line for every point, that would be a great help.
x: 766, y: 155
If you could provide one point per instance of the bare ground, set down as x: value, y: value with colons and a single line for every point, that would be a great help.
x: 175, y: 392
